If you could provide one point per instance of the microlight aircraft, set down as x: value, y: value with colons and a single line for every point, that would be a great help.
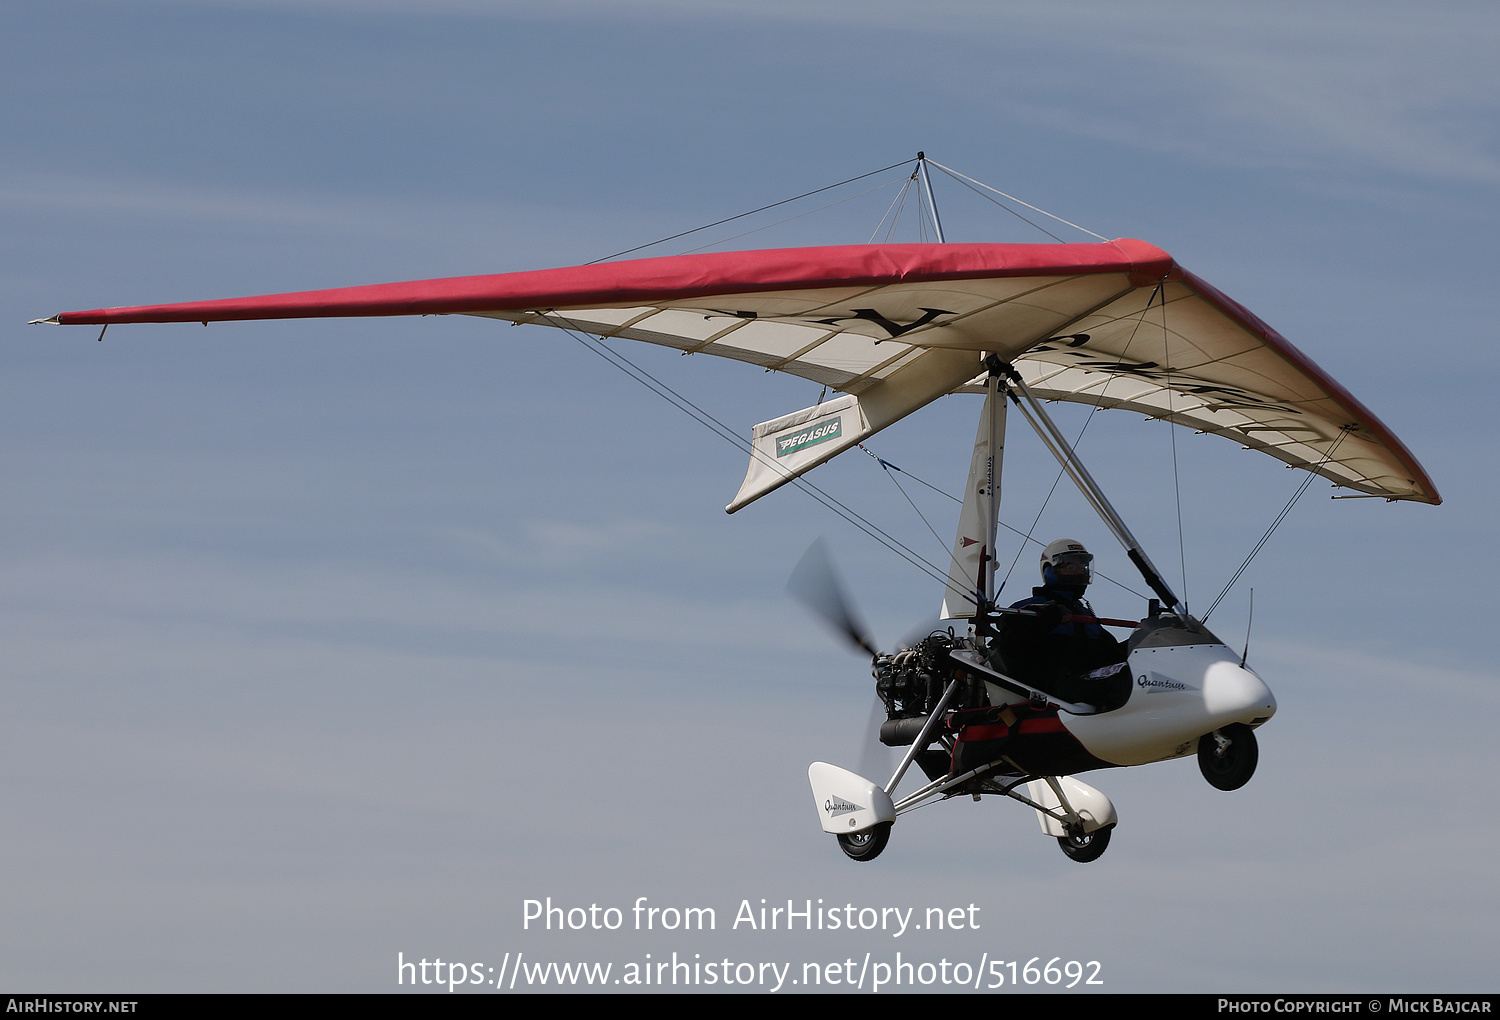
x: 893, y: 327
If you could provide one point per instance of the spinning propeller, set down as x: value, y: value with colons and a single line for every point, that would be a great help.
x: 816, y: 584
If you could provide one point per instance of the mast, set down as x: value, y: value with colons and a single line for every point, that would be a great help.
x: 971, y: 573
x: 937, y: 224
x: 995, y: 401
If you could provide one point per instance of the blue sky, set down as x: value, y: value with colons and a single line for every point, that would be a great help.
x: 328, y: 641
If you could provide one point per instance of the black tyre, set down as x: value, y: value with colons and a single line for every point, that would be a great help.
x: 1228, y: 767
x: 1088, y: 846
x: 866, y: 846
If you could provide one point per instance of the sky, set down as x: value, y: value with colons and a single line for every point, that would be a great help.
x: 331, y: 645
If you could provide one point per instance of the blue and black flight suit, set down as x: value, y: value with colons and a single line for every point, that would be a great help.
x: 1053, y: 653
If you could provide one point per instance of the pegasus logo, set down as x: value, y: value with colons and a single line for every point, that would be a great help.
x: 790, y: 442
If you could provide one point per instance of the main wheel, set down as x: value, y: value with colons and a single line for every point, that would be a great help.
x: 1085, y: 847
x: 866, y: 846
x: 1227, y: 756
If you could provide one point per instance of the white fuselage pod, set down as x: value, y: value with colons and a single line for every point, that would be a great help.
x: 1179, y: 693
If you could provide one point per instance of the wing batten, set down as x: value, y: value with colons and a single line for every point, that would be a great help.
x: 808, y: 349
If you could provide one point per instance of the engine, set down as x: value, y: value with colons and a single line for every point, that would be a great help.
x: 911, y: 681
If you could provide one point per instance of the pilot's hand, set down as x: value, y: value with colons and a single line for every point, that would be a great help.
x: 1048, y: 616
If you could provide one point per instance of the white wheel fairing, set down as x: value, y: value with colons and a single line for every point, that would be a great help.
x: 1180, y: 693
x: 847, y: 802
x: 1096, y: 810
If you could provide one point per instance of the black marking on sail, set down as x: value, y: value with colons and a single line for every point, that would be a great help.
x: 893, y: 328
x: 1227, y: 396
x: 1232, y: 397
x: 1145, y: 369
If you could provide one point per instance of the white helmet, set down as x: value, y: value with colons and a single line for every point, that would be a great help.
x: 1069, y: 564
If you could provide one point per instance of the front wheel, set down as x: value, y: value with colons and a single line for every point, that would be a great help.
x: 1227, y: 756
x: 1086, y: 846
x: 865, y: 846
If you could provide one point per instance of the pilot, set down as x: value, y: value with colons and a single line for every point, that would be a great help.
x: 1055, y: 648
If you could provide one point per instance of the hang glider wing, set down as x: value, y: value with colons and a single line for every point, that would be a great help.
x: 894, y: 327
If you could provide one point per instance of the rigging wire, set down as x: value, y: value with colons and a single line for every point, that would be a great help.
x: 887, y: 466
x: 1092, y: 411
x: 1015, y: 531
x: 900, y: 198
x: 1026, y: 537
x: 752, y: 212
x: 777, y: 223
x: 900, y: 208
x: 952, y: 553
x: 1166, y: 364
x: 664, y: 391
x: 1034, y: 522
x: 1312, y: 473
x: 1007, y: 208
x: 954, y: 173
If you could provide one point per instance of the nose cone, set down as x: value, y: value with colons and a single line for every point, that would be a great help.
x: 1232, y: 693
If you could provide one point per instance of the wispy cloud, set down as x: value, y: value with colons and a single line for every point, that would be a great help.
x: 1273, y: 84
x: 156, y: 200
